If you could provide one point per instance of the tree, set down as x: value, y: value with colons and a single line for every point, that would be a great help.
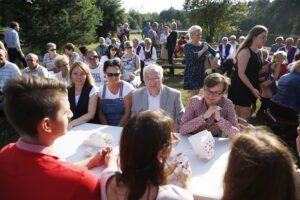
x: 215, y: 16
x: 58, y: 21
x: 113, y: 15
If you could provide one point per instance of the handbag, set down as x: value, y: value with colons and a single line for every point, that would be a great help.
x: 211, y: 61
x: 269, y: 90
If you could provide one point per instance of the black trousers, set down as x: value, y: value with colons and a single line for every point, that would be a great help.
x: 14, y: 54
x: 227, y: 67
x: 170, y: 59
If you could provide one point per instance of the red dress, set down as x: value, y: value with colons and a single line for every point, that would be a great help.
x: 283, y: 70
x: 179, y: 48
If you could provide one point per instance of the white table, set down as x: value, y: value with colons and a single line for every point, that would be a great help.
x: 207, y: 176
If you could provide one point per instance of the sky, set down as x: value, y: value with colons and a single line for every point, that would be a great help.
x: 146, y: 6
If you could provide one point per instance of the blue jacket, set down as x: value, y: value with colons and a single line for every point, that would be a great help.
x: 290, y: 54
x: 227, y: 49
x: 288, y: 91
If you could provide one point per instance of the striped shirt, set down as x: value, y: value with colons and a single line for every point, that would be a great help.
x: 8, y: 71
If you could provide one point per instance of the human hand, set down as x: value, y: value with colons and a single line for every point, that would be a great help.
x: 205, y: 46
x: 131, y: 76
x: 99, y: 158
x: 210, y: 111
x: 111, y: 158
x: 217, y: 115
x: 186, y: 174
x: 22, y: 55
x: 255, y: 92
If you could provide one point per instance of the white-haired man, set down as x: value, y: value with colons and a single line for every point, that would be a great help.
x: 156, y: 95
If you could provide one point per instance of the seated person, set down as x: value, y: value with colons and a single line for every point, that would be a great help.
x: 260, y: 167
x: 211, y: 111
x: 278, y: 45
x: 82, y: 54
x: 33, y: 67
x: 142, y: 173
x: 286, y: 102
x: 110, y: 54
x: 49, y: 58
x: 69, y: 50
x: 290, y: 49
x: 30, y: 168
x: 62, y: 64
x: 114, y: 96
x: 148, y: 55
x: 157, y: 96
x: 101, y: 49
x: 83, y: 95
x: 131, y: 66
x: 180, y: 45
x: 96, y: 68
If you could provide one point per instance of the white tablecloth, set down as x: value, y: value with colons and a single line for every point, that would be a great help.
x: 207, y: 176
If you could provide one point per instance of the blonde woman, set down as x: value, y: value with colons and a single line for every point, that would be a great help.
x: 195, y: 54
x: 83, y: 95
x: 62, y: 64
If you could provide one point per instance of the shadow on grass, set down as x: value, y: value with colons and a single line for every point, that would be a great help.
x: 7, y: 133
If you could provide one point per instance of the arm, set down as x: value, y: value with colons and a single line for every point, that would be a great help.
x: 126, y: 116
x: 93, y: 100
x: 101, y: 115
x: 276, y: 70
x: 243, y: 59
x: 179, y: 110
x: 137, y: 65
x: 189, y: 122
x: 154, y: 54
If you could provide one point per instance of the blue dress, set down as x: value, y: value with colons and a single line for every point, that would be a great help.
x: 194, y: 72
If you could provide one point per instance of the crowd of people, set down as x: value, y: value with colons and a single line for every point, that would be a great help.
x: 103, y: 86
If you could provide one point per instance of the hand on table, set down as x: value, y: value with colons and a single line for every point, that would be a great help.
x: 99, y: 158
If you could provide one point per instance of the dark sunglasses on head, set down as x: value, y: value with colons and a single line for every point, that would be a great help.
x: 113, y: 74
x: 93, y: 57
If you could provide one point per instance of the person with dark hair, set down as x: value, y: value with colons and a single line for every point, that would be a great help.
x: 96, y: 67
x: 82, y: 54
x: 171, y: 44
x: 83, y: 95
x: 142, y: 173
x: 278, y: 45
x: 260, y: 167
x: 110, y: 54
x: 38, y: 109
x: 114, y: 96
x: 244, y: 89
x: 12, y: 41
x: 69, y: 50
x: 153, y: 35
x: 49, y: 58
x: 211, y: 111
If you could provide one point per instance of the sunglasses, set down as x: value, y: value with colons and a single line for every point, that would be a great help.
x: 128, y: 47
x: 113, y: 74
x: 52, y: 49
x: 93, y: 57
x: 114, y: 49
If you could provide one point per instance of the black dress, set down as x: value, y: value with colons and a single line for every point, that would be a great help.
x: 238, y: 92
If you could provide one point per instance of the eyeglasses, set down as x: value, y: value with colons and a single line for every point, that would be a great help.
x: 128, y: 47
x: 113, y: 74
x: 215, y: 94
x: 93, y: 57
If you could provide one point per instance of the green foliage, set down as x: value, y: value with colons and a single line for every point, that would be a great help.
x: 113, y: 15
x: 58, y: 21
x: 215, y: 16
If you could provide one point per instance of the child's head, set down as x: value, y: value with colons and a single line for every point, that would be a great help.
x: 28, y: 100
x: 279, y: 57
x: 265, y: 53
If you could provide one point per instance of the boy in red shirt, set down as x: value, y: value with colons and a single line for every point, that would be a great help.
x: 39, y: 110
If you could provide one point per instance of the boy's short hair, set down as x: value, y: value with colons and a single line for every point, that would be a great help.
x: 69, y: 46
x: 29, y: 99
x: 214, y: 79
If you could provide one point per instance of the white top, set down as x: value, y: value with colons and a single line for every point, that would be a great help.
x: 39, y: 71
x: 223, y: 54
x: 153, y: 101
x: 107, y: 41
x: 127, y: 88
x: 163, y: 38
x: 92, y: 92
x: 59, y: 77
x: 153, y: 56
x: 8, y: 71
x: 165, y: 192
x: 98, y: 75
x: 232, y: 50
x: 103, y: 59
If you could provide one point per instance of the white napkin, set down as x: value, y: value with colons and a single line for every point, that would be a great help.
x: 99, y: 139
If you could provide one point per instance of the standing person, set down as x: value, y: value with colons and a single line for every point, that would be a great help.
x: 131, y: 66
x: 153, y: 35
x: 96, y: 68
x: 114, y: 96
x: 49, y: 58
x: 145, y: 146
x: 30, y: 168
x: 145, y: 31
x: 33, y: 66
x: 195, y: 55
x: 83, y: 95
x: 126, y: 31
x: 171, y: 44
x: 108, y: 39
x: 257, y: 165
x: 12, y: 41
x: 244, y: 89
x: 163, y: 43
x: 120, y: 31
x: 228, y: 62
x: 160, y: 30
x: 224, y: 49
x: 7, y: 71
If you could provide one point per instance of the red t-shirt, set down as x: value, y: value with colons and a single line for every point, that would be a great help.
x: 283, y: 70
x: 26, y: 175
